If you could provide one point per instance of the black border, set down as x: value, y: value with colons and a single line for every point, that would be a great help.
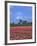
x: 6, y: 21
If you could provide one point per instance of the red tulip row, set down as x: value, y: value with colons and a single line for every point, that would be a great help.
x: 20, y: 35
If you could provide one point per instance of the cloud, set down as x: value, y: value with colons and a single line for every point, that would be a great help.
x: 23, y: 17
x: 19, y: 17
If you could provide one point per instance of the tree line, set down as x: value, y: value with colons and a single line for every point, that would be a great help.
x: 23, y: 22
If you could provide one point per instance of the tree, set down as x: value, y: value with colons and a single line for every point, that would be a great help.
x: 24, y: 22
x: 20, y: 21
x: 13, y: 23
x: 31, y: 22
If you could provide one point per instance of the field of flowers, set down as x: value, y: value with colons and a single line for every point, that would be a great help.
x: 20, y: 32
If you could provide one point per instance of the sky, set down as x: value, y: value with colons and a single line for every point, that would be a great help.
x: 20, y: 12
